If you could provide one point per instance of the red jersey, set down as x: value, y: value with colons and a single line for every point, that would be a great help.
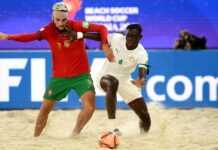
x: 69, y: 59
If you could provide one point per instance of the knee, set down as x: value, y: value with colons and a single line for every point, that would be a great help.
x: 90, y: 109
x: 109, y: 83
x: 113, y: 84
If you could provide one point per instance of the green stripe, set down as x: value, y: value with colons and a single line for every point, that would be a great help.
x: 85, y: 25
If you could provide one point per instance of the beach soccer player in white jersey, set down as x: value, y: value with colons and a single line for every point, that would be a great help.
x: 115, y: 77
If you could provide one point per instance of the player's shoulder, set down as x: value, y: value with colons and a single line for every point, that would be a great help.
x: 78, y: 24
x: 116, y: 37
x: 73, y: 22
x: 141, y: 48
x: 47, y: 27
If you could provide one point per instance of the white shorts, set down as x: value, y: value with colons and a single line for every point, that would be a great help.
x: 126, y: 89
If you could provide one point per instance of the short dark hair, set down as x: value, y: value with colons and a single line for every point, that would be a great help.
x: 135, y: 26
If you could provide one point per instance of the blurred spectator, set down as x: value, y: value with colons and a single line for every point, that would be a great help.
x: 190, y: 41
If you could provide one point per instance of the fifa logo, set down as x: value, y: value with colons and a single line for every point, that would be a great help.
x: 27, y: 77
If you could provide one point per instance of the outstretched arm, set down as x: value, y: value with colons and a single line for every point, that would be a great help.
x: 106, y: 48
x: 92, y: 36
x: 79, y: 35
x: 21, y: 37
x: 97, y: 28
x: 102, y: 31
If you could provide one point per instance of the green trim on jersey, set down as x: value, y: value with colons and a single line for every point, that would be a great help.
x: 85, y: 25
x: 58, y: 88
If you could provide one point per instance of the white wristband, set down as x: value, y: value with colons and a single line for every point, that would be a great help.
x: 79, y: 35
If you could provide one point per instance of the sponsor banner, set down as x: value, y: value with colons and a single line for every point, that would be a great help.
x: 176, y: 79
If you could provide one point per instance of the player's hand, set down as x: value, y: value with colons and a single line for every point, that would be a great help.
x: 108, y: 52
x: 71, y: 33
x: 139, y: 82
x: 3, y: 36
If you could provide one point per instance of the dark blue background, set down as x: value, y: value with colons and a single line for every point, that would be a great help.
x: 161, y: 19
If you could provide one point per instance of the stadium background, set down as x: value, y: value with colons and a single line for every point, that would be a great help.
x: 161, y: 20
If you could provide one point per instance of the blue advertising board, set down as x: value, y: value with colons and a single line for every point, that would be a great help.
x: 177, y: 79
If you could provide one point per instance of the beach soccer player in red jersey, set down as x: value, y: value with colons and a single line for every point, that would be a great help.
x: 70, y: 63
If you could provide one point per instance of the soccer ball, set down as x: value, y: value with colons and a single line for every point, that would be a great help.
x: 108, y: 140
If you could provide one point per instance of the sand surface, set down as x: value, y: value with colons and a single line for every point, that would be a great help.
x: 172, y: 129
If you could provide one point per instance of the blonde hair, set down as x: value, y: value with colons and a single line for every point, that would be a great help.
x: 60, y: 6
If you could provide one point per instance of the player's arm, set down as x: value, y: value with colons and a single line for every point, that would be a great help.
x: 142, y: 74
x: 74, y: 35
x: 102, y: 30
x: 92, y: 36
x: 21, y: 37
x: 106, y: 48
x: 143, y: 71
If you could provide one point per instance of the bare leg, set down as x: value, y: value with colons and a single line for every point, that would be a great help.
x: 140, y: 108
x: 42, y: 118
x: 86, y: 112
x: 110, y: 85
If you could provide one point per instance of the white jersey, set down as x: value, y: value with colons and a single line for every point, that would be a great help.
x: 126, y: 60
